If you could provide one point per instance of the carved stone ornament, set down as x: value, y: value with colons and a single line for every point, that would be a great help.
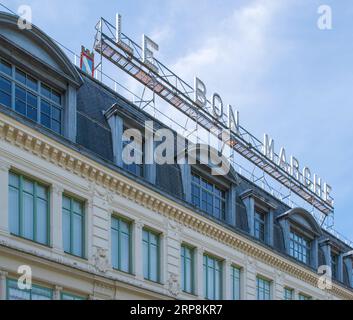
x: 100, y: 260
x: 173, y: 285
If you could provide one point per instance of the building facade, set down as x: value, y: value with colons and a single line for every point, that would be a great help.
x: 91, y: 227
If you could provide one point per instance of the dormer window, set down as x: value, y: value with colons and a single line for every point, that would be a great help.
x: 208, y: 196
x: 299, y: 247
x: 334, y: 265
x: 260, y: 225
x: 30, y: 97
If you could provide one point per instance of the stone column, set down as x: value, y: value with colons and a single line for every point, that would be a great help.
x: 56, y: 219
x: 315, y: 253
x: 57, y: 293
x: 163, y: 258
x: 250, y: 211
x: 250, y: 279
x: 199, y: 289
x: 3, y: 276
x: 286, y: 233
x: 186, y: 177
x: 270, y: 228
x: 326, y: 248
x: 227, y: 287
x: 4, y: 189
x: 70, y: 116
x: 278, y: 286
x: 117, y: 127
x: 347, y: 260
x: 231, y: 206
x: 340, y: 268
x: 138, y: 252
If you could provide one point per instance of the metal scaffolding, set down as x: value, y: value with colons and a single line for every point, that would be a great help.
x: 127, y: 55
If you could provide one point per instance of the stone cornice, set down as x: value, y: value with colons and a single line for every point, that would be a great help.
x: 36, y: 143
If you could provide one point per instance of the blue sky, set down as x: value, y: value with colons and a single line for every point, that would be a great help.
x: 266, y: 57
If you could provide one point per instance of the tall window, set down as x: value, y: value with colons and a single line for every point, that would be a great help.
x: 208, y: 197
x: 121, y: 244
x: 263, y: 289
x: 299, y: 247
x: 288, y: 294
x: 187, y: 269
x: 36, y: 293
x: 259, y: 225
x: 235, y: 278
x: 212, y: 273
x: 151, y: 255
x: 28, y: 209
x: 69, y: 296
x: 73, y: 226
x: 303, y: 296
x: 32, y: 98
x: 334, y: 264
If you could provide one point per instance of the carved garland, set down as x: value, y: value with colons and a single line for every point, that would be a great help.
x: 75, y: 163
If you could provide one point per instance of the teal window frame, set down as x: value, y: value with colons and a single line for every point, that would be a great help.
x: 120, y: 232
x: 20, y: 205
x: 83, y: 227
x: 236, y: 282
x: 288, y: 294
x: 71, y: 296
x: 187, y: 259
x: 212, y: 266
x: 11, y: 283
x: 147, y: 264
x: 263, y: 289
x: 304, y: 297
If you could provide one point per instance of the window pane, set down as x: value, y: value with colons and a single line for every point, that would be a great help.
x: 5, y: 99
x: 66, y: 296
x: 145, y: 260
x: 115, y: 249
x: 5, y: 67
x: 153, y: 263
x: 66, y: 203
x: 32, y: 83
x: 77, y: 235
x: 66, y: 230
x: 125, y: 250
x: 14, y: 210
x: 20, y: 107
x: 56, y: 97
x: 41, y: 294
x: 14, y: 293
x: 45, y: 108
x: 46, y: 91
x: 20, y: 76
x: 42, y: 221
x: 28, y: 216
x: 5, y: 92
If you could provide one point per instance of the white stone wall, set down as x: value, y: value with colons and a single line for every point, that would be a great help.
x: 94, y: 276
